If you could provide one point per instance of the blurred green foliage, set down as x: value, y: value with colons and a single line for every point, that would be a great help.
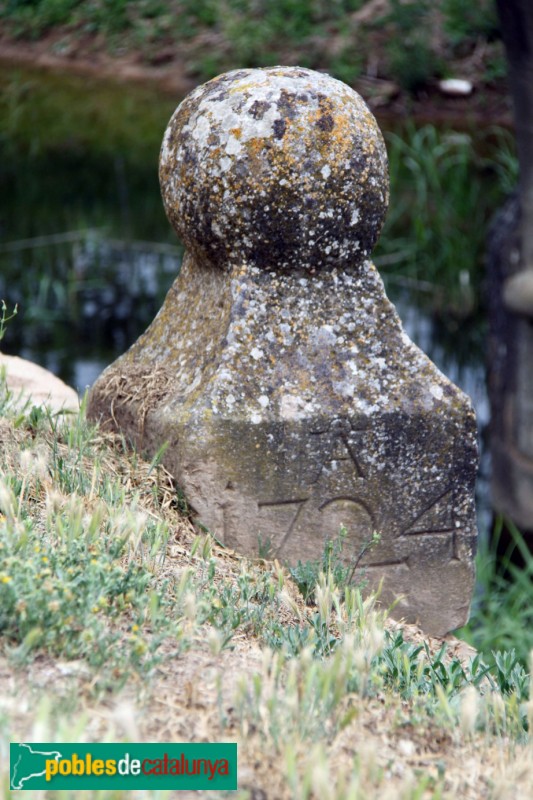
x: 445, y: 187
x: 407, y: 41
x: 502, y: 611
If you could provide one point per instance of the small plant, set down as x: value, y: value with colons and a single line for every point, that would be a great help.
x: 333, y: 560
x: 5, y: 318
x: 264, y: 547
x: 65, y: 591
x: 496, y: 66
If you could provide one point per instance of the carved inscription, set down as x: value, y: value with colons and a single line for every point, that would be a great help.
x: 339, y: 442
x: 284, y: 519
x: 281, y: 515
x: 337, y: 494
x: 435, y: 517
x: 331, y: 497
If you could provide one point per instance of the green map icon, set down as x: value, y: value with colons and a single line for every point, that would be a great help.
x: 28, y: 764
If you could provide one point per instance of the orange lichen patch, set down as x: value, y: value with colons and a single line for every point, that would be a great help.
x: 256, y: 146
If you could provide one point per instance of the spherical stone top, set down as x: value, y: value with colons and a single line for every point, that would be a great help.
x: 279, y: 168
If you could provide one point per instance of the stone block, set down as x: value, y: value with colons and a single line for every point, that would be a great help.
x: 277, y: 371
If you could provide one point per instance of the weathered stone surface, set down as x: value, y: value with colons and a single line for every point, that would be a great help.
x: 269, y: 168
x: 277, y: 370
x: 29, y: 381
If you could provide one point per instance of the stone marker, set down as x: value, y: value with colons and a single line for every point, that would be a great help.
x: 277, y: 371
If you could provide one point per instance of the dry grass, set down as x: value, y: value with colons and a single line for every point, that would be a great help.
x: 139, y: 388
x: 303, y: 730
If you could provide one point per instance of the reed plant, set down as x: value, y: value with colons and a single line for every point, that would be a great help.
x: 445, y: 188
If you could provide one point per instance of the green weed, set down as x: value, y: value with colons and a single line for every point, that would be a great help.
x: 5, y: 318
x: 502, y: 613
x: 344, y: 649
x: 77, y: 581
x: 334, y: 561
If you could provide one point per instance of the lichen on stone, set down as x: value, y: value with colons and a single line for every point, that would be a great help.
x: 275, y: 168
